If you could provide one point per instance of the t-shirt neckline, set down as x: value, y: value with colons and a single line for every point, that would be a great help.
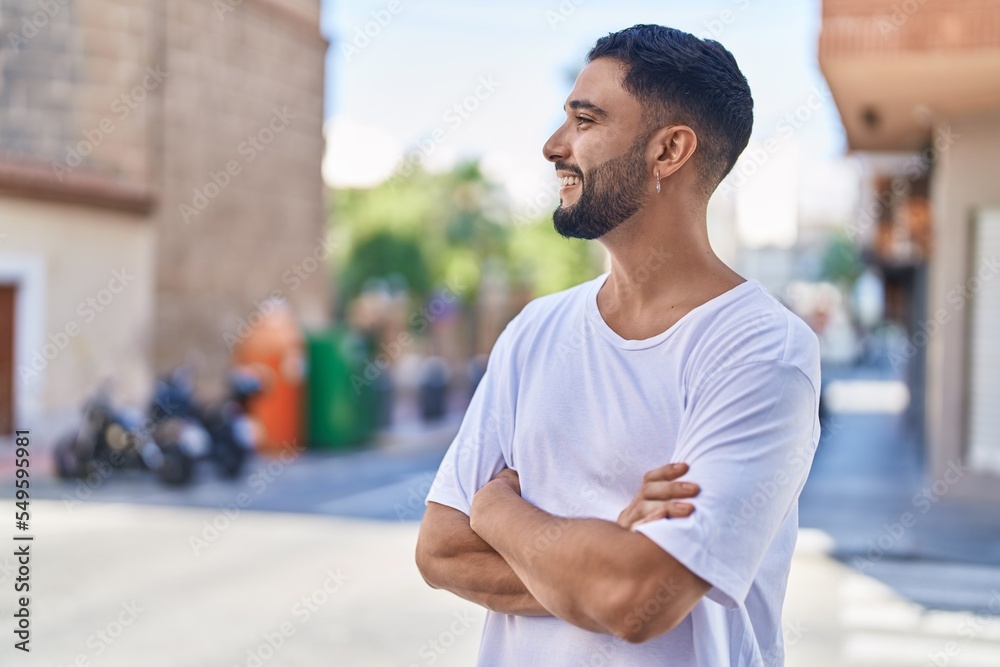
x: 612, y: 336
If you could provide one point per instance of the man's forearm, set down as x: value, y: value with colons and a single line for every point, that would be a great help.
x: 454, y: 558
x: 488, y: 580
x: 539, y: 546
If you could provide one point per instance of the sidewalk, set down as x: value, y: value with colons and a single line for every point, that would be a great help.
x: 256, y: 589
x: 867, y: 591
x: 216, y: 589
x: 868, y: 473
x: 895, y: 616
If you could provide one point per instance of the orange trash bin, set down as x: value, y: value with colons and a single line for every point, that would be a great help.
x: 275, y: 347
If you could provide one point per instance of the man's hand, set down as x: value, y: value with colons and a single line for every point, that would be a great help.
x: 509, y: 477
x: 656, y: 497
x: 589, y: 572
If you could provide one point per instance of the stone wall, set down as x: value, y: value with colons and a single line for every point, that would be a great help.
x: 185, y: 137
x: 242, y: 194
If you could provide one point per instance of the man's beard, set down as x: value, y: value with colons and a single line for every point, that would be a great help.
x: 609, y: 195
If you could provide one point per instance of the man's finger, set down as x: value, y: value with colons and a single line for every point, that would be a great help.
x: 668, y: 510
x: 667, y: 472
x: 668, y: 490
x: 625, y: 518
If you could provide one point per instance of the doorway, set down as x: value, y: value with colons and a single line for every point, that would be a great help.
x: 8, y: 306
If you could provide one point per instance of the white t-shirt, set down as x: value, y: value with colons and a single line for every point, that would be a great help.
x: 582, y: 414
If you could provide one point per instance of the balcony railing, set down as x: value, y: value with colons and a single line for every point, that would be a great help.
x: 891, y: 27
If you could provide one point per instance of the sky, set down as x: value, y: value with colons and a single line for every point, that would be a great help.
x: 452, y: 80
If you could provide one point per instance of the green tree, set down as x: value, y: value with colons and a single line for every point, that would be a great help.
x: 448, y: 226
x: 841, y: 260
x: 540, y: 257
x: 387, y: 255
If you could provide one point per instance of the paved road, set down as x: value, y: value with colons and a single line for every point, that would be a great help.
x: 387, y: 481
x: 128, y: 585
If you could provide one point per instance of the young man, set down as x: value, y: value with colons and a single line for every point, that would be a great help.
x: 555, y: 506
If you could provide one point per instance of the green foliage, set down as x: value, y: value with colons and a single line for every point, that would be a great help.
x: 385, y: 254
x: 442, y: 229
x: 841, y: 260
x: 540, y: 257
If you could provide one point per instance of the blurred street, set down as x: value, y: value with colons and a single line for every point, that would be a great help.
x: 866, y: 590
x: 318, y: 562
x: 245, y: 303
x: 387, y: 481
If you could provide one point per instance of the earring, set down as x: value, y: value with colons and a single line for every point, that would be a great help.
x: 657, y: 182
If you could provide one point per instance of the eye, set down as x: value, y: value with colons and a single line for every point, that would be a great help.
x: 583, y: 120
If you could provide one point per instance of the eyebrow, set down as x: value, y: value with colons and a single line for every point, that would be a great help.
x: 586, y: 105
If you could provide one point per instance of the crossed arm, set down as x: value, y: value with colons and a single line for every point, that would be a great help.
x: 752, y: 427
x: 512, y: 557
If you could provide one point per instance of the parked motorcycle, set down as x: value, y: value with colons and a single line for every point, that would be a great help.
x: 221, y: 433
x: 229, y: 424
x: 176, y: 434
x: 108, y: 438
x: 176, y: 429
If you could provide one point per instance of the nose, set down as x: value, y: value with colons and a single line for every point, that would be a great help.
x: 555, y: 148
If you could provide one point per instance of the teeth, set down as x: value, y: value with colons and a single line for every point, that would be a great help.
x: 569, y: 180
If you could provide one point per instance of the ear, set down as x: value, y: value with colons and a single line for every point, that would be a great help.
x: 674, y: 145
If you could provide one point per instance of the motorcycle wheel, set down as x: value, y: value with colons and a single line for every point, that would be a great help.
x: 68, y: 464
x: 177, y: 467
x: 230, y: 458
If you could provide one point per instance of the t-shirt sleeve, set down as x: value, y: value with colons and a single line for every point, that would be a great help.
x: 749, y: 436
x: 482, y: 447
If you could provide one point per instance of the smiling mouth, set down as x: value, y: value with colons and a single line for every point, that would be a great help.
x: 569, y: 181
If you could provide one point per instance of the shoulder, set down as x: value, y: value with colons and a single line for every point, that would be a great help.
x: 551, y: 306
x: 540, y: 312
x: 756, y: 329
x: 548, y: 304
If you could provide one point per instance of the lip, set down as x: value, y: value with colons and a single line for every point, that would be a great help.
x: 569, y: 194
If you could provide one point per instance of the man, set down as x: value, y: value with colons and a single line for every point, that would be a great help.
x: 557, y: 507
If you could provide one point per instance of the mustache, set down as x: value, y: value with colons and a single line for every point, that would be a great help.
x: 563, y: 166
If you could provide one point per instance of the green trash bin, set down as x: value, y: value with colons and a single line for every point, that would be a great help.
x: 341, y: 408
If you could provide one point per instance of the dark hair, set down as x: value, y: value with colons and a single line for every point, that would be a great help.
x: 682, y: 79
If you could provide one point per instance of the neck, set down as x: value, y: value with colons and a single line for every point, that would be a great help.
x: 660, y: 256
x: 662, y: 265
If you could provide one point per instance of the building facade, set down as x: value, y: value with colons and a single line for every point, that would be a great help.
x: 920, y: 81
x: 159, y: 182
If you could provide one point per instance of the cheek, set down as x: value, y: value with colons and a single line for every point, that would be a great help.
x: 592, y: 149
